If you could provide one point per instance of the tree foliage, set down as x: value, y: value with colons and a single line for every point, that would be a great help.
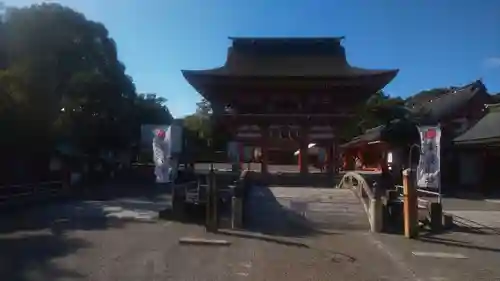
x: 378, y: 110
x: 61, y: 81
x: 199, y: 125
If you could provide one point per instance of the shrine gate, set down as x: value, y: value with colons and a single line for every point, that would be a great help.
x: 281, y: 94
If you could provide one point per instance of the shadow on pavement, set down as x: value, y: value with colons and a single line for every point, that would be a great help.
x: 91, y: 211
x: 32, y: 237
x: 456, y: 243
x: 469, y: 226
x: 266, y: 215
x: 29, y: 257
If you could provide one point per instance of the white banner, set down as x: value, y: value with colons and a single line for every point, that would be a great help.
x: 429, y: 166
x: 161, y: 153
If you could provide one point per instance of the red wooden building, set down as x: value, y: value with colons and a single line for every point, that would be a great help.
x: 455, y: 110
x: 280, y: 94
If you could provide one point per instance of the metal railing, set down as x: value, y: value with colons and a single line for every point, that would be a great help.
x: 372, y: 203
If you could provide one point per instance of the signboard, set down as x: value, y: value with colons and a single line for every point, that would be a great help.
x: 174, y: 134
x: 429, y: 166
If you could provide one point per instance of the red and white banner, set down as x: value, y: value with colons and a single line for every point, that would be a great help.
x: 429, y: 165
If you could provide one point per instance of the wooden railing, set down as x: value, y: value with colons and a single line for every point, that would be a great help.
x: 368, y: 196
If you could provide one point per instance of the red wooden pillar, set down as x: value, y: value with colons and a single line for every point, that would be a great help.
x: 336, y: 155
x: 330, y: 158
x: 299, y: 160
x: 264, y: 150
x: 303, y: 152
x: 360, y: 157
x: 383, y: 150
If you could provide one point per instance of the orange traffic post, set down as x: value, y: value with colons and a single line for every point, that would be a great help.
x: 410, y: 204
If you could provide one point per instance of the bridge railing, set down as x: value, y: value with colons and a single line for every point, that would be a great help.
x: 369, y: 197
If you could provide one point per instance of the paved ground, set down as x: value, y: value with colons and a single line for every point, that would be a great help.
x: 461, y: 255
x: 294, y: 234
x: 470, y: 251
x: 119, y: 239
x: 481, y: 214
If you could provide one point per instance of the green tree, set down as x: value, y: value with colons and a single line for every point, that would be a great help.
x: 152, y: 109
x: 378, y: 110
x: 69, y: 76
x: 200, y: 123
x: 61, y: 80
x: 205, y: 128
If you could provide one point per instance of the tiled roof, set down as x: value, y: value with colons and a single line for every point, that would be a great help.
x: 485, y: 131
x: 449, y: 103
x: 373, y: 134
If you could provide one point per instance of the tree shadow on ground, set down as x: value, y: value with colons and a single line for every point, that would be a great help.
x: 93, y: 211
x: 58, y: 217
x: 31, y: 237
x: 30, y: 257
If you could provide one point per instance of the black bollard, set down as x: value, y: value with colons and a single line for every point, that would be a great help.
x: 436, y: 215
x: 178, y: 202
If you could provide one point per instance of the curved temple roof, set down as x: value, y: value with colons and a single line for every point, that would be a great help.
x: 289, y: 57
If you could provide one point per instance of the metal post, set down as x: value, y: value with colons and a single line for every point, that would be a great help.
x: 410, y: 204
x: 376, y: 214
x: 211, y: 210
x: 439, y: 188
x: 237, y: 207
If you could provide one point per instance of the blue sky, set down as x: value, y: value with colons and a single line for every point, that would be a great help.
x: 434, y: 43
